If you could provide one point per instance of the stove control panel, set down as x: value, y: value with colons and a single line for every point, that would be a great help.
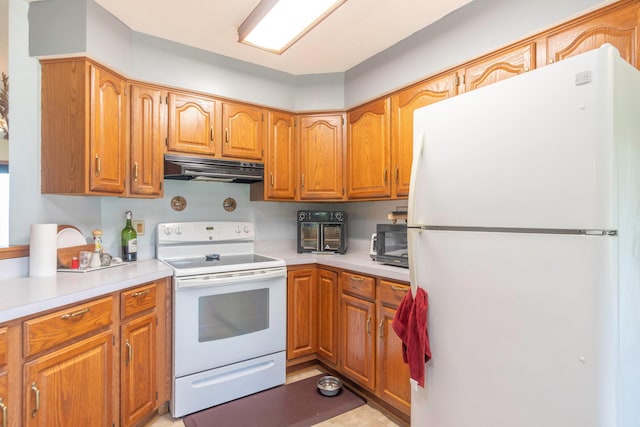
x: 205, y: 231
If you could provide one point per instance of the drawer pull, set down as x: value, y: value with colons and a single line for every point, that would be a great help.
x: 369, y: 326
x: 74, y: 314
x: 381, y: 328
x: 34, y: 388
x: 357, y: 279
x: 4, y: 413
x: 129, y: 352
x: 402, y: 289
x: 140, y: 293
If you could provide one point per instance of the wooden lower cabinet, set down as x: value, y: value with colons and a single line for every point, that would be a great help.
x: 4, y: 399
x: 137, y: 369
x: 71, y: 386
x: 357, y: 351
x: 328, y: 316
x: 302, y: 314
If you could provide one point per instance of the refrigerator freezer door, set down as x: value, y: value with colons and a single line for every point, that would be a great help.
x: 534, y: 151
x: 523, y: 330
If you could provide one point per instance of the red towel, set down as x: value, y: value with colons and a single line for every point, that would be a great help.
x: 410, y: 324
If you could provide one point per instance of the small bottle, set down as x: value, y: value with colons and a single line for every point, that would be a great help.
x: 97, y: 241
x: 129, y: 241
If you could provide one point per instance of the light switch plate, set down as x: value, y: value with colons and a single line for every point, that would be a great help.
x: 138, y: 225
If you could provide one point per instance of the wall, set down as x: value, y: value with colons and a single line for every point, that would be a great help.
x: 62, y: 25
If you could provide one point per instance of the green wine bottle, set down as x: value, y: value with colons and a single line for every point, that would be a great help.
x: 129, y: 240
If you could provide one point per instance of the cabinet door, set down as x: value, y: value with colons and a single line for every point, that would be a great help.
x: 191, y: 124
x: 357, y: 322
x: 71, y: 386
x: 321, y: 153
x: 506, y: 63
x: 147, y: 141
x: 243, y: 131
x: 108, y: 131
x: 617, y: 25
x: 369, y: 151
x: 328, y: 315
x: 403, y: 104
x: 302, y: 297
x: 280, y: 174
x: 138, y: 369
x: 393, y: 374
x: 4, y: 399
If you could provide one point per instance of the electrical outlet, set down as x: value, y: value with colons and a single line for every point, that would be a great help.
x: 138, y: 225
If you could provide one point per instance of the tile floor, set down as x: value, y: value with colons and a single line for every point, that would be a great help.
x: 363, y: 416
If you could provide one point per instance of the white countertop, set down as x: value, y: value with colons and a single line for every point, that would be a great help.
x: 24, y: 296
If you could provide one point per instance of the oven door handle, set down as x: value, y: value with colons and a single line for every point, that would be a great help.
x: 218, y: 279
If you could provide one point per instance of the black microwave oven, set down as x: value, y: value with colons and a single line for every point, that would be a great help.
x: 391, y: 244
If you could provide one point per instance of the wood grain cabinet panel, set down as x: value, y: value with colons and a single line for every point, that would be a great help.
x: 328, y: 315
x: 302, y: 312
x: 71, y: 386
x: 4, y: 399
x: 369, y: 150
x: 320, y: 157
x: 48, y: 331
x: 505, y: 64
x: 358, y: 285
x: 137, y: 300
x: 357, y: 350
x: 148, y: 133
x: 192, y: 124
x: 281, y: 157
x: 616, y: 25
x: 4, y: 347
x: 138, y: 369
x: 403, y: 104
x: 83, y: 129
x: 244, y: 131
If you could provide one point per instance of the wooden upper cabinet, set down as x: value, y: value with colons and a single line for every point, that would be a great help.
x: 616, y: 25
x: 403, y: 104
x: 369, y: 150
x: 84, y: 128
x: 320, y: 159
x: 148, y: 131
x: 504, y: 64
x: 192, y: 124
x: 280, y: 159
x: 244, y: 131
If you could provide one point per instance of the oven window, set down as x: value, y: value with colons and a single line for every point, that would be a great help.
x: 230, y: 315
x: 309, y: 236
x: 332, y: 237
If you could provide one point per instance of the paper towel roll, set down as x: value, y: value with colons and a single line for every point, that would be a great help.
x: 43, y: 248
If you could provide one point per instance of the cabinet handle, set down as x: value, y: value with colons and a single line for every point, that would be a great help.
x: 303, y: 181
x: 98, y: 166
x: 271, y: 175
x: 226, y: 136
x: 4, y: 413
x: 381, y: 328
x: 212, y: 134
x: 369, y: 326
x: 140, y: 293
x: 397, y: 174
x: 384, y: 175
x: 402, y: 289
x: 356, y: 279
x: 34, y: 388
x: 129, y: 352
x: 74, y: 314
x: 135, y: 171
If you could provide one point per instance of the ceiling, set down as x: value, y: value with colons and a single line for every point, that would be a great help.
x: 354, y: 32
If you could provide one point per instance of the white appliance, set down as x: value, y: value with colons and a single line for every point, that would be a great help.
x: 525, y: 232
x: 229, y: 313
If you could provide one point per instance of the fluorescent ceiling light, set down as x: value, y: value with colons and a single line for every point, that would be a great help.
x: 274, y: 25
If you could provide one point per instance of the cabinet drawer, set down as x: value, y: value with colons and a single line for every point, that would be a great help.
x: 136, y: 300
x: 50, y: 330
x: 3, y: 347
x: 391, y: 293
x: 358, y: 285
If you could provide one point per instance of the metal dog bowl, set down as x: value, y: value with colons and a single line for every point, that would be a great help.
x: 329, y: 386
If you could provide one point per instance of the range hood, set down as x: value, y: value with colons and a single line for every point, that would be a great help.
x: 207, y: 169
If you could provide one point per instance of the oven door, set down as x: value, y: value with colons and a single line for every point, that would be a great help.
x: 226, y: 318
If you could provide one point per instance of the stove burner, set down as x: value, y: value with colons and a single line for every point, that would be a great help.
x: 212, y: 257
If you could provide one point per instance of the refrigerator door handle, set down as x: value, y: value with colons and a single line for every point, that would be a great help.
x: 524, y: 230
x: 415, y: 167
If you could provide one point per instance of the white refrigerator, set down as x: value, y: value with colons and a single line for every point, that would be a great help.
x: 524, y: 229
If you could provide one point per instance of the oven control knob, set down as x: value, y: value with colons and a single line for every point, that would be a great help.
x: 167, y: 231
x: 246, y: 229
x: 178, y: 230
x: 302, y: 216
x: 238, y: 229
